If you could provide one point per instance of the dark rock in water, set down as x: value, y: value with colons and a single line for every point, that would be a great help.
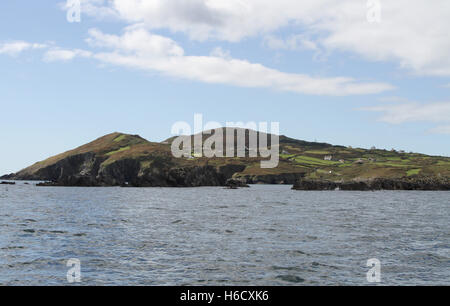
x: 305, y: 184
x: 7, y: 183
x: 291, y: 278
x: 282, y: 178
x: 416, y: 183
x: 235, y: 184
x: 46, y: 184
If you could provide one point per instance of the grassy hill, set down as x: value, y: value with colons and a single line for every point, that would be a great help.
x: 118, y: 158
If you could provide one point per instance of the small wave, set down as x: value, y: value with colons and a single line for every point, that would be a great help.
x: 318, y: 264
x: 279, y: 203
x: 13, y: 248
x: 297, y: 253
x: 33, y: 231
x: 54, y: 232
x: 80, y: 234
x: 285, y: 268
x: 291, y: 278
x: 428, y: 258
x: 270, y: 230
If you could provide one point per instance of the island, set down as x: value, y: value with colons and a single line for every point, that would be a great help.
x: 119, y: 159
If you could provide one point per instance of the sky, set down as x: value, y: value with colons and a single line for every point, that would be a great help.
x: 351, y: 72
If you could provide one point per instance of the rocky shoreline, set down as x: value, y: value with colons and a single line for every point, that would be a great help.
x: 418, y: 183
x: 7, y: 183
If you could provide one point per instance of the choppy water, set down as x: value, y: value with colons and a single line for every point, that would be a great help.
x: 264, y: 235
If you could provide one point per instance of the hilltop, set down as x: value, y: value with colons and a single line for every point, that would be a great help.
x: 122, y: 159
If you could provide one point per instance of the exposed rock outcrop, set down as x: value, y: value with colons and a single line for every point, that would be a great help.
x: 80, y: 169
x: 283, y: 178
x: 7, y: 183
x: 234, y: 184
x: 417, y: 183
x: 121, y: 172
x: 7, y: 176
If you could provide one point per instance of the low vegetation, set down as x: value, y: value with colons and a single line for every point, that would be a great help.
x: 314, y: 160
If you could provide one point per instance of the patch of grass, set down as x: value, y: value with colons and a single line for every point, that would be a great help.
x: 318, y: 152
x: 346, y: 164
x: 388, y: 164
x: 120, y: 138
x: 118, y: 151
x: 413, y: 172
x: 306, y: 160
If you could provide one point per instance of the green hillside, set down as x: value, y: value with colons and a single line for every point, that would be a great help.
x: 108, y: 160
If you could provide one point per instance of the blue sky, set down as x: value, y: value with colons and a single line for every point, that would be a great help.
x: 320, y: 68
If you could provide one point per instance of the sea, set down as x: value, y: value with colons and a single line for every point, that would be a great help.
x: 262, y: 235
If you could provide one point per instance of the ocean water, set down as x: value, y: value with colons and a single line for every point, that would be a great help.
x: 263, y: 235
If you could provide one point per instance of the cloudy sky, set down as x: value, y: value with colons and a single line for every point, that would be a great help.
x: 351, y: 72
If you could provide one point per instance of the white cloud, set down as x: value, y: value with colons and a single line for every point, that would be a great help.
x: 137, y: 48
x: 99, y: 8
x: 64, y: 54
x: 14, y: 48
x: 136, y: 41
x: 229, y: 20
x: 414, y: 33
x: 415, y: 112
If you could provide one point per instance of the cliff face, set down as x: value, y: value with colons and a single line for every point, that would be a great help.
x: 88, y: 170
x: 129, y: 160
x: 418, y: 183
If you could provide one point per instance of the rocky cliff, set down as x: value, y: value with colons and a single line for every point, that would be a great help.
x: 418, y: 183
x: 89, y: 170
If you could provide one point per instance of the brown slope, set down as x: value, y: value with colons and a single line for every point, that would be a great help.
x: 110, y: 147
